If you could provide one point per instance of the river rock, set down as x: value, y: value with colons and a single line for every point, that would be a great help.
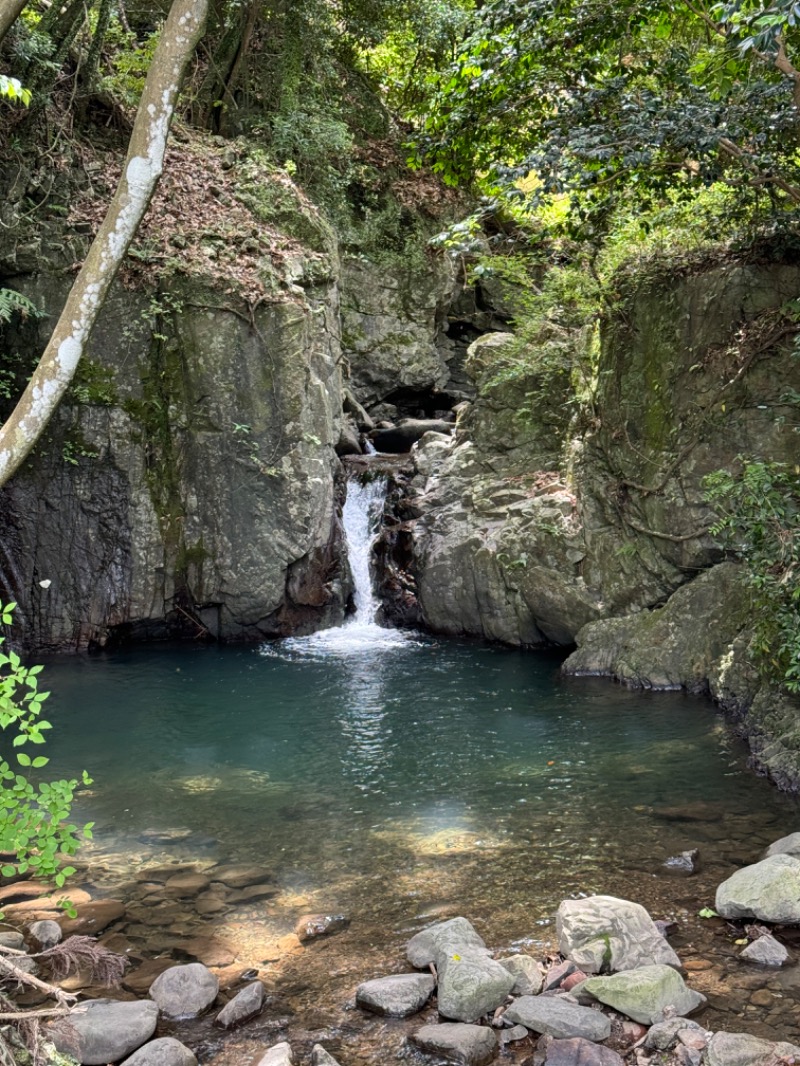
x: 471, y: 986
x: 512, y: 1035
x: 12, y: 939
x: 453, y: 937
x: 768, y: 890
x: 664, y: 1034
x: 103, y: 1030
x: 527, y: 974
x: 398, y: 996
x: 579, y: 1052
x: 93, y: 917
x: 165, y: 1051
x: 557, y: 1017
x: 647, y: 994
x: 789, y: 845
x: 557, y: 974
x: 313, y: 926
x: 742, y: 1049
x: 46, y: 933
x: 240, y: 876
x: 245, y: 1004
x: 766, y: 951
x: 684, y: 863
x: 185, y: 991
x: 139, y: 980
x: 321, y: 1057
x: 472, y: 1045
x: 184, y: 885
x: 604, y: 931
x: 279, y: 1055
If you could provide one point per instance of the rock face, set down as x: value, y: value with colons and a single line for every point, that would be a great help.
x: 559, y: 1017
x: 102, y: 1030
x: 648, y: 994
x: 769, y: 890
x: 604, y: 932
x: 184, y: 991
x: 472, y: 1045
x: 397, y: 996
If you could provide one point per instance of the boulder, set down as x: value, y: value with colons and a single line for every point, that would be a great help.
x: 104, y: 1030
x: 557, y: 1016
x: 397, y: 996
x: 245, y: 1004
x: 789, y: 845
x: 185, y: 991
x: 742, y: 1049
x: 648, y: 994
x: 321, y: 1057
x: 578, y: 1052
x: 46, y: 933
x: 399, y: 440
x: 279, y: 1055
x: 664, y: 1034
x: 472, y: 1045
x: 527, y: 973
x: 313, y: 926
x: 604, y: 932
x: 349, y: 442
x: 769, y: 890
x: 163, y: 1052
x: 456, y: 936
x: 471, y: 985
x: 766, y: 951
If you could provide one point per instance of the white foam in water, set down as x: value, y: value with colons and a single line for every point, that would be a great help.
x: 361, y: 634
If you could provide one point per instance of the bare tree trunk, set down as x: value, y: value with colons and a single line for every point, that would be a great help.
x: 141, y: 171
x: 10, y: 10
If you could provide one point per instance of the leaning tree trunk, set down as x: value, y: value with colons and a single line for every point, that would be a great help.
x: 10, y: 10
x: 141, y: 171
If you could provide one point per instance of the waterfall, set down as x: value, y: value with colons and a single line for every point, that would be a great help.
x: 362, y: 508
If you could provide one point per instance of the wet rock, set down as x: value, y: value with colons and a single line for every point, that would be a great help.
x: 684, y: 863
x: 24, y: 891
x: 349, y: 442
x: 321, y: 1057
x: 163, y: 1052
x: 46, y: 933
x: 741, y: 1049
x: 512, y: 1035
x: 604, y: 931
x: 279, y: 1055
x: 789, y: 845
x: 766, y: 951
x: 102, y: 1030
x: 184, y: 885
x: 664, y: 1034
x: 93, y: 917
x: 558, y: 973
x: 557, y: 1017
x: 472, y: 1045
x: 206, y: 949
x: 252, y: 892
x: 185, y: 991
x: 209, y: 903
x: 165, y: 836
x: 471, y: 986
x: 768, y: 890
x: 246, y: 1004
x: 12, y: 940
x: 456, y: 936
x: 527, y: 973
x: 313, y: 926
x: 647, y: 994
x: 139, y: 980
x: 578, y: 1052
x: 397, y: 996
x: 398, y: 440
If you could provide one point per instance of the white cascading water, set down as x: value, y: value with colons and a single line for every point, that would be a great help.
x: 360, y: 635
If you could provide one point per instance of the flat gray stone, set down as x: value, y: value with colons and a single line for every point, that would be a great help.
x: 789, y: 845
x: 557, y: 1017
x: 184, y: 991
x: 46, y: 932
x: 648, y: 994
x: 321, y: 1057
x: 104, y: 1030
x: 471, y: 986
x: 603, y: 931
x: 527, y: 973
x: 398, y: 995
x: 473, y: 1045
x: 578, y: 1052
x: 741, y: 1049
x: 278, y: 1055
x: 768, y: 890
x: 765, y: 951
x: 512, y: 1035
x: 12, y: 940
x: 163, y: 1052
x: 664, y: 1034
x: 245, y: 1004
x: 456, y: 936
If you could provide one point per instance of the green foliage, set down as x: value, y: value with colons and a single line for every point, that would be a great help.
x: 12, y: 302
x: 34, y: 826
x: 129, y: 61
x: 759, y: 517
x: 13, y: 90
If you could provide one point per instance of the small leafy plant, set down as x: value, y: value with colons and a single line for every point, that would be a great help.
x: 35, y: 833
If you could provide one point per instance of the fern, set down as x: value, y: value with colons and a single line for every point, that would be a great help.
x: 11, y: 301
